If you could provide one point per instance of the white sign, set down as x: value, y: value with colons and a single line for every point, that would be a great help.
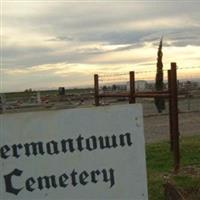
x: 76, y: 154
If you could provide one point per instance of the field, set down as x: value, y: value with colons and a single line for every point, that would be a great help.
x: 160, y: 168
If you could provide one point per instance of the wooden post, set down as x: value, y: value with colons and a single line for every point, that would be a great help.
x: 132, y: 87
x: 96, y: 89
x: 170, y: 111
x: 174, y: 109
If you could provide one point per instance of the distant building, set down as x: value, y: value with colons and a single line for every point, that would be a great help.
x: 140, y: 85
x: 188, y: 85
x: 121, y: 87
x: 114, y: 87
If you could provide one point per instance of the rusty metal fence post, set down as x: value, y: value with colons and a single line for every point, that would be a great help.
x: 174, y: 110
x: 170, y: 111
x: 96, y: 90
x: 132, y: 87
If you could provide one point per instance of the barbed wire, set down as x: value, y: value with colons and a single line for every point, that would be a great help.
x: 194, y: 67
x: 113, y: 79
x: 143, y: 72
x: 117, y: 78
x: 111, y: 74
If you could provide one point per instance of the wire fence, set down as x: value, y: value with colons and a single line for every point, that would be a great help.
x: 189, y: 89
x: 146, y: 75
x: 117, y: 75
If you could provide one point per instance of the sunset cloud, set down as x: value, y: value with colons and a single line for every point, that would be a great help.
x: 48, y: 44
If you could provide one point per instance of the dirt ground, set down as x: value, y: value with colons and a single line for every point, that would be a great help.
x: 156, y: 127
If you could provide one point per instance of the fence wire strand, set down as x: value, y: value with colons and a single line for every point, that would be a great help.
x: 125, y: 76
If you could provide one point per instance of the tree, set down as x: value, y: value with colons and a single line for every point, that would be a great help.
x: 104, y: 88
x: 159, y: 85
x: 114, y: 87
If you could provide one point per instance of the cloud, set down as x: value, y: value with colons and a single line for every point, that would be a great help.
x: 41, y: 37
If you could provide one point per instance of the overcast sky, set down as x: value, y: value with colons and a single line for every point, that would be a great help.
x: 47, y: 44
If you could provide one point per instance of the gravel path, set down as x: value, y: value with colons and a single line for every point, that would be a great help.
x: 157, y: 127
